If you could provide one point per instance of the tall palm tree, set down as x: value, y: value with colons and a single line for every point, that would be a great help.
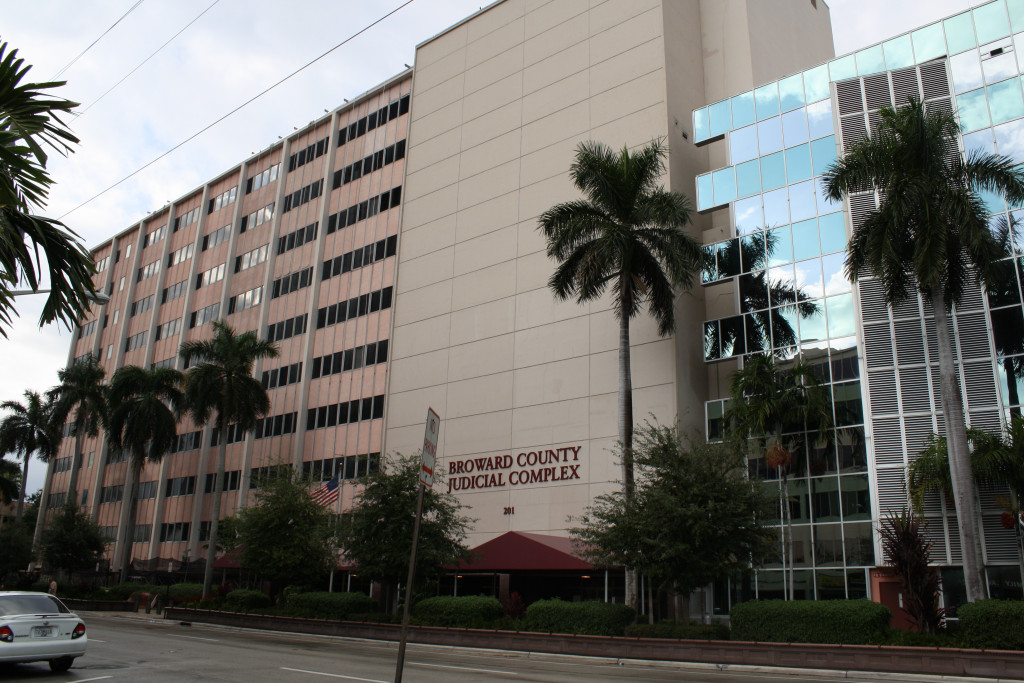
x: 775, y: 406
x: 29, y: 429
x: 627, y: 233
x: 30, y: 121
x: 81, y: 396
x: 222, y: 388
x: 930, y: 233
x: 143, y: 417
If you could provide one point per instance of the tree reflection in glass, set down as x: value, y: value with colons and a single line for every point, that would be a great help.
x: 1008, y: 323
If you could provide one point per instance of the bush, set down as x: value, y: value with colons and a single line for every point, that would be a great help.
x: 589, y: 618
x: 840, y: 622
x: 247, y: 601
x: 184, y: 593
x: 122, y: 591
x: 992, y: 624
x: 323, y: 605
x: 469, y: 611
x: 684, y: 631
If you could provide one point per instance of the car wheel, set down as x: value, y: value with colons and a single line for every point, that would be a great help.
x: 61, y: 664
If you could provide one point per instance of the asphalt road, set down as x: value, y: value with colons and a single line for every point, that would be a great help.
x: 134, y: 648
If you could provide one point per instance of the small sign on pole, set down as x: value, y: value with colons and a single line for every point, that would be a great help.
x: 430, y: 448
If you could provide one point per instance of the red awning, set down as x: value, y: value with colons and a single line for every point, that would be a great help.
x: 519, y: 551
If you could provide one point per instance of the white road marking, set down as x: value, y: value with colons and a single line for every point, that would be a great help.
x: 323, y: 673
x: 464, y: 668
x: 175, y: 635
x: 98, y: 678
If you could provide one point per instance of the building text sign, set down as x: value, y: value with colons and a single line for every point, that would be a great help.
x: 529, y: 467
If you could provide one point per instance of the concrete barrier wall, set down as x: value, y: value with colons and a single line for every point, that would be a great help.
x: 919, y: 660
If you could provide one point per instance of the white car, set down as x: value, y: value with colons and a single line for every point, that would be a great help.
x: 36, y: 627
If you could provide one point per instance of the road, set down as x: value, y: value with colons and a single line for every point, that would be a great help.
x: 136, y: 648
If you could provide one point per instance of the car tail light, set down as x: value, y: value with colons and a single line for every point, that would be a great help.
x: 6, y: 634
x: 79, y: 631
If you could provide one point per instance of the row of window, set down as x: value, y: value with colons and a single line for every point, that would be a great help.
x: 136, y: 341
x: 174, y: 532
x: 147, y: 271
x: 346, y: 412
x: 174, y: 291
x: 116, y: 456
x: 351, y: 359
x: 388, y: 112
x: 364, y: 209
x: 87, y: 329
x: 232, y: 481
x: 283, y: 376
x: 286, y: 329
x: 168, y: 329
x: 313, y: 151
x: 204, y: 315
x: 369, y: 164
x: 292, y: 282
x: 360, y: 257
x: 223, y: 199
x: 276, y: 425
x: 154, y: 237
x: 232, y: 433
x: 56, y: 500
x: 257, y: 218
x: 303, y: 195
x: 353, y: 308
x: 142, y: 305
x: 297, y: 238
x: 62, y: 465
x: 102, y: 264
x: 187, y: 442
x: 344, y: 467
x: 146, y: 490
x: 208, y: 277
x: 165, y: 363
x: 181, y: 486
x: 260, y: 179
x: 185, y: 220
x: 251, y: 258
x: 245, y: 300
x: 111, y: 494
x: 218, y: 236
x: 179, y: 255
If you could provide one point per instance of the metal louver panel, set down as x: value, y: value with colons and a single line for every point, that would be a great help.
x: 861, y: 206
x: 882, y: 385
x: 981, y: 385
x: 888, y: 441
x: 872, y: 301
x: 971, y: 299
x: 892, y: 490
x: 973, y: 335
x: 909, y: 341
x: 935, y: 532
x: 853, y: 129
x: 1000, y: 543
x: 876, y: 91
x: 933, y: 506
x: 908, y: 308
x: 955, y: 555
x: 874, y: 121
x: 904, y: 86
x: 987, y: 421
x: 989, y: 495
x: 933, y: 79
x: 878, y: 345
x: 914, y: 391
x: 943, y: 104
x: 918, y: 429
x: 848, y: 96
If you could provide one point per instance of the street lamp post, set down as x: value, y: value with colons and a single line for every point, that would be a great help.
x: 96, y: 297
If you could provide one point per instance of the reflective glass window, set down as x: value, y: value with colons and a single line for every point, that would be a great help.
x: 709, y: 271
x: 993, y: 201
x: 856, y: 497
x: 960, y: 32
x: 842, y: 68
x: 782, y: 246
x: 743, y: 109
x: 808, y: 278
x: 791, y: 92
x: 826, y: 499
x: 805, y: 239
x: 794, y: 127
x: 798, y: 163
x: 999, y: 67
x: 929, y: 43
x: 748, y: 179
x: 748, y: 215
x: 776, y: 208
x: 728, y: 258
x: 842, y: 320
x: 819, y: 119
x: 823, y: 151
x: 700, y: 124
x: 1011, y: 380
x: 991, y: 22
x: 724, y: 181
x: 743, y: 144
x: 812, y: 327
x: 1005, y: 291
x: 711, y: 346
x: 704, y: 197
x: 769, y: 135
x: 966, y: 68
x: 851, y: 447
x: 899, y: 53
x: 825, y: 205
x: 981, y: 141
x: 860, y: 551
x: 973, y: 110
x: 832, y: 231
x: 773, y: 171
x: 719, y: 118
x: 833, y: 268
x: 1005, y: 100
x: 801, y: 201
x: 1016, y: 11
x: 766, y: 100
x: 753, y: 252
x: 816, y: 83
x: 870, y: 61
x: 1018, y: 41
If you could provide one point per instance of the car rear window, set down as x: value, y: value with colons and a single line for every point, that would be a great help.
x: 30, y: 604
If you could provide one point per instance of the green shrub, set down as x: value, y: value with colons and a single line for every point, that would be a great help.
x: 590, y: 618
x: 247, y: 601
x: 323, y: 605
x: 684, y: 631
x: 468, y: 611
x: 122, y: 591
x: 845, y: 622
x: 184, y: 593
x: 211, y: 603
x: 992, y: 624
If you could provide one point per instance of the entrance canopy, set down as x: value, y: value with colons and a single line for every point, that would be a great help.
x: 519, y: 551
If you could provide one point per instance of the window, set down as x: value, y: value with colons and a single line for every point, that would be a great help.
x: 303, y: 195
x: 257, y: 218
x: 142, y: 305
x: 261, y: 179
x: 296, y: 239
x: 87, y: 329
x: 179, y: 255
x: 257, y: 475
x: 142, y: 534
x: 61, y: 465
x: 204, y: 315
x: 110, y: 351
x: 102, y: 264
x: 173, y: 292
x: 218, y: 236
x: 109, y: 534
x: 146, y: 490
x: 245, y: 300
x: 127, y: 252
x: 184, y: 220
x: 344, y: 467
x: 283, y: 376
x: 120, y: 286
x: 251, y: 258
x: 111, y: 494
x: 135, y: 341
x: 181, y: 486
x: 208, y: 277
x: 364, y: 209
x: 232, y: 480
x: 56, y: 500
x: 313, y: 151
x: 116, y: 314
x: 346, y: 412
x: 223, y: 199
x: 287, y: 328
x: 154, y: 237
x: 187, y: 442
x: 276, y: 425
x: 351, y: 359
x: 147, y: 271
x: 174, y: 533
x: 369, y: 164
x: 234, y: 435
x: 353, y: 308
x: 117, y: 456
x: 165, y: 363
x: 168, y: 329
x: 362, y: 256
x: 389, y: 112
x: 292, y: 282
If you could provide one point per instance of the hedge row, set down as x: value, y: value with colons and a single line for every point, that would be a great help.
x: 992, y: 624
x: 585, y: 618
x: 469, y: 611
x: 324, y: 605
x: 246, y: 601
x: 844, y: 622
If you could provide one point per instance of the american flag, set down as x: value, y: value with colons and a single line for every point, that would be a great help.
x: 327, y: 494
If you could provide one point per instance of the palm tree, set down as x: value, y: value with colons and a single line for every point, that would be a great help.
x: 930, y: 233
x: 29, y: 122
x: 626, y: 233
x: 29, y: 429
x: 143, y: 417
x: 81, y: 396
x: 776, y: 406
x: 222, y: 388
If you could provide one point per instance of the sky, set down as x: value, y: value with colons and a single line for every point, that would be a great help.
x: 231, y: 51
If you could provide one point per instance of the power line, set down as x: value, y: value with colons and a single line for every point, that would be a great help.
x: 68, y: 65
x: 140, y: 64
x: 238, y: 108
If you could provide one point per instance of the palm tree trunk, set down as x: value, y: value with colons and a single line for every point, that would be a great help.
x: 128, y: 531
x: 626, y: 439
x: 24, y: 483
x: 218, y: 489
x: 76, y: 462
x: 964, y: 495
